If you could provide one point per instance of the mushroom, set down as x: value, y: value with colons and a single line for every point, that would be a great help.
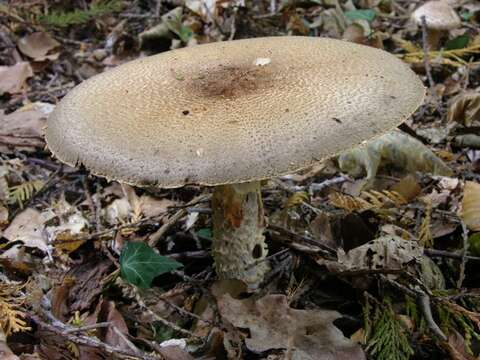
x: 229, y: 115
x: 439, y: 16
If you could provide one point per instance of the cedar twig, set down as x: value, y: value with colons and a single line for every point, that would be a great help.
x: 423, y: 301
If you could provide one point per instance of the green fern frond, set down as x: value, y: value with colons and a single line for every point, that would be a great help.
x: 79, y: 17
x: 22, y: 192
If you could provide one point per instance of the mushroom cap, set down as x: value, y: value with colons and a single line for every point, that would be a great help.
x: 231, y: 112
x: 439, y: 15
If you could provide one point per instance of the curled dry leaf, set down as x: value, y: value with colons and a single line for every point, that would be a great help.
x: 465, y: 108
x: 386, y: 252
x: 471, y: 205
x: 13, y: 78
x: 304, y: 334
x: 395, y: 149
x: 28, y: 227
x: 37, y: 46
x: 23, y: 130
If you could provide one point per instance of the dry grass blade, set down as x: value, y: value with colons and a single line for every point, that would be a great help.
x: 425, y: 235
x: 471, y: 205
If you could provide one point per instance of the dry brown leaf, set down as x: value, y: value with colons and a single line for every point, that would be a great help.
x: 456, y: 347
x: 37, y: 46
x: 28, y: 227
x: 408, y: 188
x: 386, y: 252
x: 110, y: 314
x: 465, y: 108
x: 355, y: 33
x: 13, y: 78
x: 152, y: 207
x: 304, y: 334
x: 23, y: 130
x: 5, y: 351
x: 471, y: 205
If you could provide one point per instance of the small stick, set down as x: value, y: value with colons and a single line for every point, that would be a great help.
x: 156, y: 236
x: 60, y: 329
x: 463, y: 263
x: 88, y: 327
x: 426, y: 60
x: 423, y: 301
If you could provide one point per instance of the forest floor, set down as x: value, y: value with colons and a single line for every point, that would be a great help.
x: 386, y: 271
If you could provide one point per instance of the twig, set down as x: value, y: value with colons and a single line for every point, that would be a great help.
x: 426, y: 60
x: 448, y: 254
x: 88, y: 327
x: 165, y: 322
x: 294, y: 237
x: 126, y: 341
x: 185, y: 312
x: 423, y: 301
x: 60, y: 329
x: 463, y: 263
x: 156, y: 236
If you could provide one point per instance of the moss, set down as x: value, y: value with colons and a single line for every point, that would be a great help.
x: 79, y: 17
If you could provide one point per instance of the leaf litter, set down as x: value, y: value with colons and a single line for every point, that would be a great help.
x: 372, y: 257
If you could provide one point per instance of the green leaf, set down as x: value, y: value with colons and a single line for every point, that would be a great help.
x: 362, y: 14
x: 205, y: 232
x: 185, y: 33
x: 457, y: 43
x: 139, y: 264
x: 474, y: 244
x: 466, y: 15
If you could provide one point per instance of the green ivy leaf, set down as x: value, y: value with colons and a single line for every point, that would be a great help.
x: 139, y: 264
x: 459, y: 42
x: 205, y: 232
x: 362, y: 14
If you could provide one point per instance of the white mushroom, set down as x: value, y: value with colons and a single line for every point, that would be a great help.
x: 144, y: 122
x: 439, y: 16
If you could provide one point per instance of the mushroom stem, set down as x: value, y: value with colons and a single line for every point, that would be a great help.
x: 238, y: 247
x: 433, y: 39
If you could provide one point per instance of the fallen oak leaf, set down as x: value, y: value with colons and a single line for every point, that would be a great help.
x: 23, y: 130
x: 28, y: 227
x: 37, y: 46
x: 465, y: 108
x: 306, y: 334
x: 13, y: 78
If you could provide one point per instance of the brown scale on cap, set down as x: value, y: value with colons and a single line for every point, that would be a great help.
x: 232, y: 82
